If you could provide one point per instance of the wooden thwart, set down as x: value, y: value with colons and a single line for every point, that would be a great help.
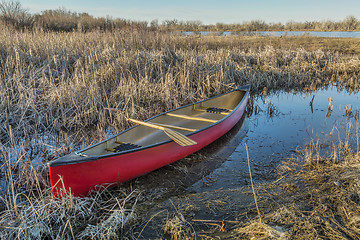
x: 191, y: 118
x: 176, y: 136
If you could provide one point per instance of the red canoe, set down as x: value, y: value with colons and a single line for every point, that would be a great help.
x: 154, y: 143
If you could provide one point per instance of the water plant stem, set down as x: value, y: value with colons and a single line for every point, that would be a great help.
x: 252, y: 184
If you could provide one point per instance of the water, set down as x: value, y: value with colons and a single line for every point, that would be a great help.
x: 272, y: 135
x: 311, y: 33
x: 340, y: 34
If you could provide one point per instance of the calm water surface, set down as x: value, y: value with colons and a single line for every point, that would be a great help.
x: 311, y: 33
x: 283, y: 123
x: 288, y: 33
x: 279, y: 124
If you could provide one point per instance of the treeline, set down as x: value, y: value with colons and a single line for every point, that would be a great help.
x: 11, y: 13
x: 62, y: 20
x: 350, y: 23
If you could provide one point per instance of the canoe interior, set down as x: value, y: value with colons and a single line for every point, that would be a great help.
x: 144, y: 136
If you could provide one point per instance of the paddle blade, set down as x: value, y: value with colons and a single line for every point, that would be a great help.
x: 179, y: 138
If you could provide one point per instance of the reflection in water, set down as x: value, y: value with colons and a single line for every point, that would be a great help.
x: 280, y: 124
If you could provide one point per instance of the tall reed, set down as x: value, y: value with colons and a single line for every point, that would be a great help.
x: 64, y: 81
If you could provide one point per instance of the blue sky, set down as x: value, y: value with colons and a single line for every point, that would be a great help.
x: 207, y: 11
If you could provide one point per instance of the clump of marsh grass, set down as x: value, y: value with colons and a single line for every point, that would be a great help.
x: 259, y: 230
x: 178, y: 228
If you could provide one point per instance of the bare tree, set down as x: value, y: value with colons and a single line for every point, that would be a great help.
x: 350, y: 23
x: 12, y: 13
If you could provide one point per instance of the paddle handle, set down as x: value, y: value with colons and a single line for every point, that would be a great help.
x: 146, y: 124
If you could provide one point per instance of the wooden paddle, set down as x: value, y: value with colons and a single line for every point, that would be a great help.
x: 179, y: 138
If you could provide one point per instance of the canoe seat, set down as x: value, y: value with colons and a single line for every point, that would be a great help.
x: 126, y: 146
x: 222, y: 111
x: 217, y: 110
x: 123, y: 147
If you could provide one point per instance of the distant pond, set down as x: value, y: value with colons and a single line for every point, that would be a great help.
x: 311, y: 33
x: 284, y: 33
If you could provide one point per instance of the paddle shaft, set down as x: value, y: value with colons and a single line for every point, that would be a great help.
x: 191, y: 118
x: 146, y: 124
x: 175, y: 127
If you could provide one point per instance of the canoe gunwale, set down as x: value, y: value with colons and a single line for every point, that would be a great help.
x: 76, y: 157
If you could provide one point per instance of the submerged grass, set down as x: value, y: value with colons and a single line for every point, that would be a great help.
x: 55, y: 89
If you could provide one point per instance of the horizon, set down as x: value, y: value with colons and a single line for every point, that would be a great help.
x: 207, y: 12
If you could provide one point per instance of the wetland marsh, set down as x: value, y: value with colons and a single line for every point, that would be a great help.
x: 55, y: 88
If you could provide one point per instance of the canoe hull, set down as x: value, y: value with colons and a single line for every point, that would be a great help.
x: 80, y: 179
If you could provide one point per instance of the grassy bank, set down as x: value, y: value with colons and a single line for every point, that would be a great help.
x: 55, y: 88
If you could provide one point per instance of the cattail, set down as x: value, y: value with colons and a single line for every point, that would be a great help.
x: 330, y: 107
x: 348, y: 110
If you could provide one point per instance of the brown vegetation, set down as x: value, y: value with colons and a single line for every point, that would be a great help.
x: 54, y: 88
x: 64, y: 81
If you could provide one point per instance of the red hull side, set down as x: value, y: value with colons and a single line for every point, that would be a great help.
x: 79, y: 179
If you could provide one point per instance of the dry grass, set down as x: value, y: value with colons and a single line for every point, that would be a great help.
x: 335, y: 45
x: 178, y: 228
x: 69, y: 84
x: 64, y: 81
x: 54, y: 88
